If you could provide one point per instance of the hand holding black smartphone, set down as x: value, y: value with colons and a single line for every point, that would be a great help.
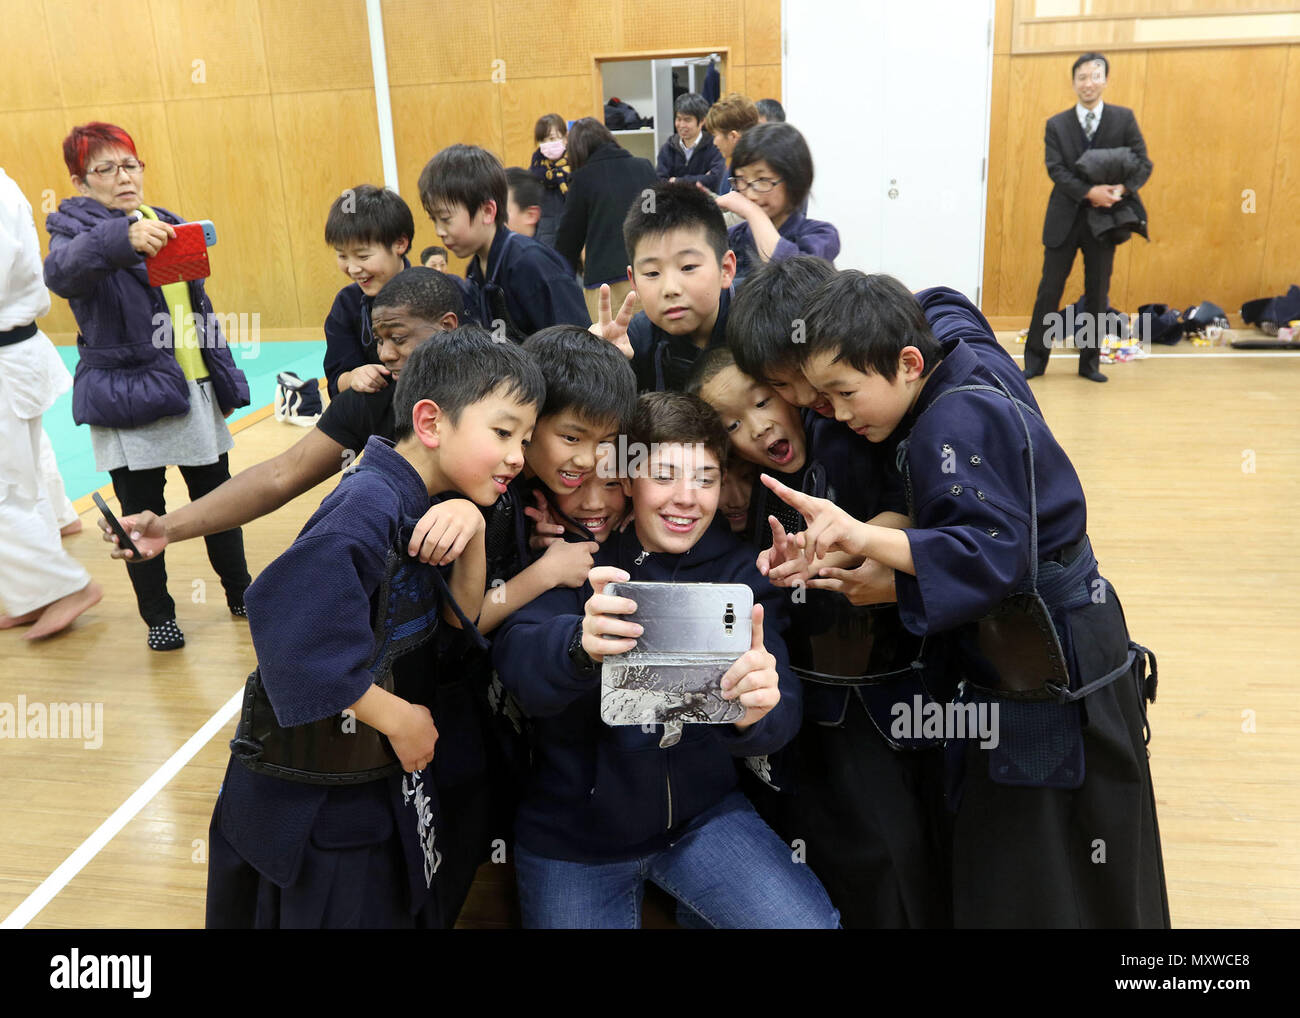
x: 123, y: 539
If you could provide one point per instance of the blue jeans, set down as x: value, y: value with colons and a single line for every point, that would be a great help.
x: 731, y: 870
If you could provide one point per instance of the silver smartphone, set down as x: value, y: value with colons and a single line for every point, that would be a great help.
x: 693, y: 632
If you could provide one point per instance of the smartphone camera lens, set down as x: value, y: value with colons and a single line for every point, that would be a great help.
x: 729, y: 618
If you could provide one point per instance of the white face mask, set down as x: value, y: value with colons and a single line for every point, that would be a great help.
x: 552, y: 149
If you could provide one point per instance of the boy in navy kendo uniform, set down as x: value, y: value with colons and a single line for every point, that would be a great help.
x: 681, y: 270
x: 1066, y: 776
x: 316, y: 825
x: 608, y: 807
x: 590, y: 393
x: 867, y: 805
x: 519, y: 284
x: 370, y: 229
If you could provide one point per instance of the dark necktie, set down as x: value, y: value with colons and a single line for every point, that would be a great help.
x: 1090, y: 124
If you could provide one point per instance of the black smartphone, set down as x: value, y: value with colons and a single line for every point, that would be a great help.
x: 123, y: 539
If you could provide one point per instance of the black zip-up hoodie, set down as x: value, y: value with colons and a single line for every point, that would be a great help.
x: 599, y: 793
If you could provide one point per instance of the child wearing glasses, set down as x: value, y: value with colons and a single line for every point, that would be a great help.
x: 771, y: 175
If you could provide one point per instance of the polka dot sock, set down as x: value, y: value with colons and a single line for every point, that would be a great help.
x: 239, y: 611
x: 166, y: 636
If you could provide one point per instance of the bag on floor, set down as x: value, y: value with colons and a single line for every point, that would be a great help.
x: 1160, y: 323
x: 297, y: 400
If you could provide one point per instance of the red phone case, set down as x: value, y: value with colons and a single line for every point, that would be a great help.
x: 183, y: 257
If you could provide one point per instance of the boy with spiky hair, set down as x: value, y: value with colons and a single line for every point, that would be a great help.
x: 681, y: 270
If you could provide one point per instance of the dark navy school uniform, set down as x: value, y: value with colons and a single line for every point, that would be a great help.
x: 527, y: 285
x: 599, y: 793
x: 349, y: 341
x: 379, y: 853
x: 1068, y: 779
x: 799, y: 235
x: 870, y: 814
x: 663, y: 362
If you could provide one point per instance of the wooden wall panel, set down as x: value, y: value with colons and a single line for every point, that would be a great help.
x: 316, y: 45
x: 426, y: 42
x: 1281, y: 212
x: 105, y: 52
x: 762, y: 33
x: 327, y: 141
x: 30, y: 79
x: 763, y: 81
x: 1203, y: 247
x: 226, y: 35
x: 1043, y: 26
x: 240, y: 189
x: 671, y: 24
x: 540, y: 38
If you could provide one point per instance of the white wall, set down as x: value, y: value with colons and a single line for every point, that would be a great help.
x: 895, y: 98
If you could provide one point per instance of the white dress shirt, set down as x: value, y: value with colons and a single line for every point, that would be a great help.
x: 1082, y: 111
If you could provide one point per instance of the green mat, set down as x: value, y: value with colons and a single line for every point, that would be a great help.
x: 259, y: 363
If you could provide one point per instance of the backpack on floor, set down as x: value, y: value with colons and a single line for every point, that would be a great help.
x: 1268, y: 314
x: 297, y: 400
x: 1160, y: 323
x: 1205, y: 319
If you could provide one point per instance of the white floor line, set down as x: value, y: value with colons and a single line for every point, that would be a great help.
x: 122, y: 816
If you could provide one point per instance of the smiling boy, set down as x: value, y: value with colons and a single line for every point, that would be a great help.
x: 608, y: 808
x: 370, y: 229
x: 314, y: 830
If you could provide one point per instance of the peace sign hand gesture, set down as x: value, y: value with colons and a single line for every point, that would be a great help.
x: 613, y: 329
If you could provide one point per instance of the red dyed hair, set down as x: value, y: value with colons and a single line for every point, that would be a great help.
x: 84, y: 141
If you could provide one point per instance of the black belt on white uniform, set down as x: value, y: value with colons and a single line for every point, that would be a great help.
x: 17, y: 334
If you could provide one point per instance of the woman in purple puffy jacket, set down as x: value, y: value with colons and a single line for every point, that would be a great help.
x: 155, y: 380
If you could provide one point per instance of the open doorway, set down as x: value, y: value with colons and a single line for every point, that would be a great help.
x: 649, y: 82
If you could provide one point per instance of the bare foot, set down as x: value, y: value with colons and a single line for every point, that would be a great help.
x: 58, y: 615
x: 9, y: 621
x: 72, y: 528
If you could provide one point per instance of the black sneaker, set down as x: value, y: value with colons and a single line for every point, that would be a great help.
x: 239, y: 611
x: 166, y: 636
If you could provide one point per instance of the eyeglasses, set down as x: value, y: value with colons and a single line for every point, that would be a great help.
x: 110, y: 169
x: 759, y: 186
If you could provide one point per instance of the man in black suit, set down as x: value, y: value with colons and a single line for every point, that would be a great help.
x: 1090, y: 124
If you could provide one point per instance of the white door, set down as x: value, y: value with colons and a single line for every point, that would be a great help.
x: 894, y: 101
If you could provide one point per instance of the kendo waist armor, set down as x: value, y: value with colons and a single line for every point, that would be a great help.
x: 342, y: 750
x: 1018, y: 637
x: 1013, y: 658
x: 866, y: 648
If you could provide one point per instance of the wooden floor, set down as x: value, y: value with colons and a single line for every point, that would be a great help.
x: 1191, y: 465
